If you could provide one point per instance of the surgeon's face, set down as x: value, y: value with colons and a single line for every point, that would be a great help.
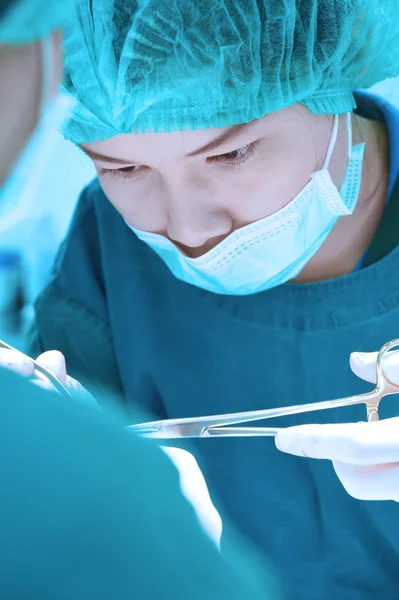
x: 197, y: 187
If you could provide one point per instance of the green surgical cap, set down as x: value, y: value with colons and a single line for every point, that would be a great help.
x: 140, y: 66
x: 26, y: 21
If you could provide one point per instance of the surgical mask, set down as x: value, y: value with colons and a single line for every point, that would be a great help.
x: 274, y: 250
x: 19, y: 190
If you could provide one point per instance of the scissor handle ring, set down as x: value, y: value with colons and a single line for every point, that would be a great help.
x: 386, y: 348
x: 383, y: 382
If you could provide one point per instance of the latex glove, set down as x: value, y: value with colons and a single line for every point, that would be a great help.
x: 52, y: 360
x: 365, y: 455
x: 195, y: 489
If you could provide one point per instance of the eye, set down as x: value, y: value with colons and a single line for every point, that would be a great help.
x: 236, y: 157
x: 131, y: 169
x: 125, y: 172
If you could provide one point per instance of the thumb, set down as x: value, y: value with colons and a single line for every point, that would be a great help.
x: 55, y: 362
x: 364, y: 365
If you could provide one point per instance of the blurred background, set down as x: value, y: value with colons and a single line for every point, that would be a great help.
x: 28, y: 250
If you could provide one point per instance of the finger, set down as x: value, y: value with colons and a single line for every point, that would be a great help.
x: 16, y: 361
x: 354, y: 443
x: 195, y: 489
x: 55, y: 362
x: 363, y: 364
x: 77, y: 389
x: 369, y: 482
x: 74, y: 386
x: 44, y: 384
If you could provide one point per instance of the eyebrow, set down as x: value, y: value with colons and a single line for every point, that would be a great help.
x: 227, y: 136
x: 109, y: 159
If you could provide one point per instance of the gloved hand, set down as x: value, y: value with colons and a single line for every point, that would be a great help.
x: 194, y: 488
x: 365, y: 455
x: 52, y: 360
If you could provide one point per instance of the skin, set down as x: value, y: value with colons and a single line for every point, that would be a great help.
x: 20, y: 68
x: 198, y: 200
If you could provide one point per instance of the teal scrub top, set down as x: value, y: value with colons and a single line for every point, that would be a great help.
x: 90, y: 512
x: 124, y: 321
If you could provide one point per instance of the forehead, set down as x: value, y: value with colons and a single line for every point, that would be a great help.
x: 155, y: 148
x: 176, y: 144
x: 186, y: 141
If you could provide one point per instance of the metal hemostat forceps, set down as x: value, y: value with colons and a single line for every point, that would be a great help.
x: 56, y: 383
x: 218, y: 426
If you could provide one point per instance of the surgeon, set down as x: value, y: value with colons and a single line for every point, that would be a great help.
x: 238, y: 244
x: 86, y: 509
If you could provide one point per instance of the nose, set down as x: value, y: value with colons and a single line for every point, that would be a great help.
x: 196, y: 231
x: 195, y: 217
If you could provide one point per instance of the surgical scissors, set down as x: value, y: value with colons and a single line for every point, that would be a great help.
x: 217, y: 426
x: 41, y: 370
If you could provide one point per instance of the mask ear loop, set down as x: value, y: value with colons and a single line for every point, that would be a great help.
x: 334, y: 135
x: 349, y: 130
x: 331, y: 146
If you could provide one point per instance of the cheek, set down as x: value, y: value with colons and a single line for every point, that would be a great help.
x: 119, y: 194
x: 137, y: 202
x: 269, y: 185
